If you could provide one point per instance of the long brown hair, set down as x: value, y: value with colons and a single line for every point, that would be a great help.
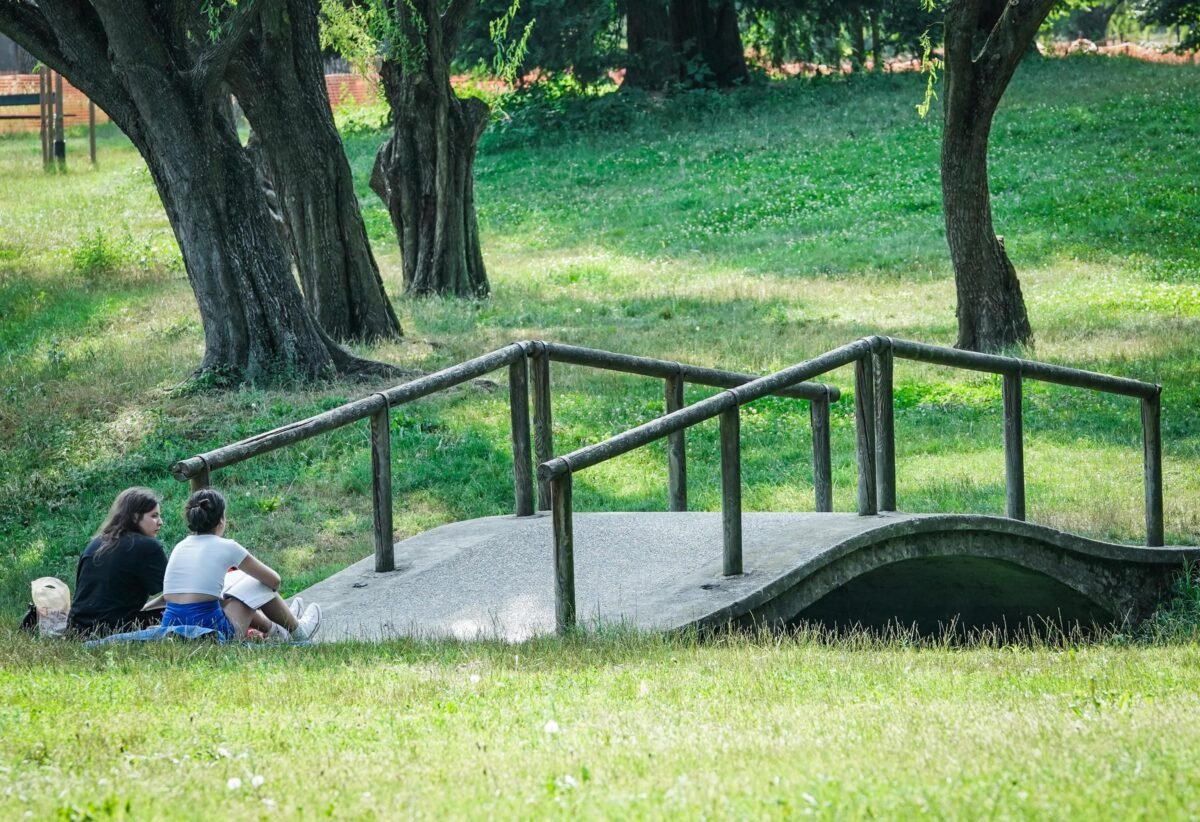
x: 127, y: 511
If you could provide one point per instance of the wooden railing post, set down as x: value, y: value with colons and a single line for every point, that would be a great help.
x: 1152, y: 464
x: 381, y: 487
x: 518, y: 407
x: 731, y: 491
x: 676, y: 449
x: 1014, y: 447
x: 201, y: 480
x: 885, y: 431
x: 543, y: 433
x: 864, y: 424
x: 564, y: 553
x: 818, y: 415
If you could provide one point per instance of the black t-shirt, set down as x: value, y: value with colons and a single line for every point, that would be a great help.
x: 110, y: 589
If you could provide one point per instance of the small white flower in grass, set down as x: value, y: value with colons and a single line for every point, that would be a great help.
x: 270, y: 803
x: 474, y: 679
x: 224, y: 752
x: 256, y: 781
x: 551, y: 727
x: 234, y: 783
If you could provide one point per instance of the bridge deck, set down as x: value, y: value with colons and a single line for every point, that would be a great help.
x: 493, y: 577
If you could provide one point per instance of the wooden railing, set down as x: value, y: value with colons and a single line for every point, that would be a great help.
x: 518, y: 357
x: 873, y: 359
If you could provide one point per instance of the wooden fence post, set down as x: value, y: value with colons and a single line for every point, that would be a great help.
x: 818, y: 415
x: 543, y: 433
x: 1014, y: 447
x: 564, y: 554
x: 864, y: 424
x: 885, y: 431
x: 1152, y: 465
x: 200, y: 481
x: 731, y: 491
x: 676, y: 449
x: 381, y: 487
x: 518, y: 407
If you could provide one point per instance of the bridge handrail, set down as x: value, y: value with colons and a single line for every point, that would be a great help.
x: 197, y: 469
x: 873, y: 359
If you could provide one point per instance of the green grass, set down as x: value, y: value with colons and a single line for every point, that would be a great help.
x: 646, y: 727
x: 747, y: 231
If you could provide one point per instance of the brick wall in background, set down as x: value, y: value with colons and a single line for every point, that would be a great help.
x: 75, y: 105
x: 342, y: 87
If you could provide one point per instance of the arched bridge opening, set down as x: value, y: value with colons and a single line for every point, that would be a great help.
x: 958, y: 594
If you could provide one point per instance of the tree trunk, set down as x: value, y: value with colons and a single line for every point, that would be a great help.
x: 991, y: 311
x: 279, y: 81
x: 653, y: 64
x: 425, y: 175
x: 708, y: 43
x: 143, y: 64
x: 858, y: 40
x: 876, y: 41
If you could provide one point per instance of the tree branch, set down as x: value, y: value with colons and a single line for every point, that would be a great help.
x: 26, y: 24
x: 210, y: 64
x: 1008, y: 41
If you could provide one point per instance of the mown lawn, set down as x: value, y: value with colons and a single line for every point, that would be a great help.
x: 747, y: 231
x: 615, y: 727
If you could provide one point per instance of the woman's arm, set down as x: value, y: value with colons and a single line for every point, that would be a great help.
x: 263, y: 573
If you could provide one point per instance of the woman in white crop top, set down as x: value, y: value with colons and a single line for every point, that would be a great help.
x: 213, y: 582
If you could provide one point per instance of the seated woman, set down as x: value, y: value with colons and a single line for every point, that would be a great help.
x: 121, y: 568
x: 194, y: 585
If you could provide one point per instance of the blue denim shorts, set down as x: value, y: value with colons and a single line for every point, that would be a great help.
x: 201, y: 614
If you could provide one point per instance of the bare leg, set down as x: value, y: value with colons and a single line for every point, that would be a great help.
x: 278, y: 612
x: 239, y: 614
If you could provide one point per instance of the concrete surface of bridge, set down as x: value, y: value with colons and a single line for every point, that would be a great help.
x: 493, y: 577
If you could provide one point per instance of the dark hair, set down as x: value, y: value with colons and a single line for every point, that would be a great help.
x: 127, y: 511
x: 204, y: 511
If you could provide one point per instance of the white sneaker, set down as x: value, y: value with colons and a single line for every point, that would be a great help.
x: 296, y: 606
x: 309, y: 623
x: 278, y: 633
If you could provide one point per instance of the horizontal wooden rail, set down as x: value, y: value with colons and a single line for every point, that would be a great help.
x: 1029, y: 369
x: 650, y: 367
x: 706, y: 409
x: 348, y: 413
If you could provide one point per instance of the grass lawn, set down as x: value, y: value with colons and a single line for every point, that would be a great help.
x: 747, y: 231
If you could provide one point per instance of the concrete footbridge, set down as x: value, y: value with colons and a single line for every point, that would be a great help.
x: 550, y: 568
x: 493, y: 578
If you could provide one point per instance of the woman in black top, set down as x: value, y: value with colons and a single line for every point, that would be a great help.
x: 121, y: 568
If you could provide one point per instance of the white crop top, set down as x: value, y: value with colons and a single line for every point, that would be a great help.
x: 198, y: 564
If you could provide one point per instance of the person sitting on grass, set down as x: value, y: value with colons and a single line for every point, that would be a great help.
x: 121, y: 568
x: 198, y: 591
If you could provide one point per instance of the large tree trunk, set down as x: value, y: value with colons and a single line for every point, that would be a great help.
x: 653, y: 64
x: 706, y: 32
x: 144, y: 64
x: 704, y: 48
x: 425, y: 175
x: 279, y: 81
x: 991, y: 310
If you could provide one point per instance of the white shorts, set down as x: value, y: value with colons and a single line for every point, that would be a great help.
x: 245, y: 588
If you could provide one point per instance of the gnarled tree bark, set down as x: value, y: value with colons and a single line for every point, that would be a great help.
x: 991, y: 310
x: 151, y: 66
x: 425, y: 172
x: 278, y: 78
